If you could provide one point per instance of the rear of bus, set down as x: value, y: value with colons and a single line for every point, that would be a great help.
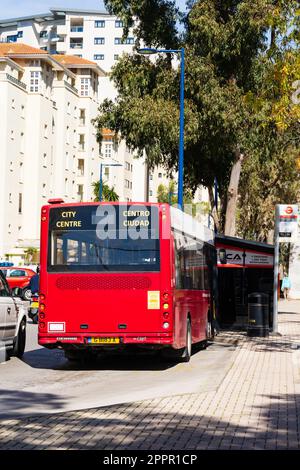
x: 105, y: 279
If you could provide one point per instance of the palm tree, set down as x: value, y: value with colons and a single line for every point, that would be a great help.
x: 108, y: 194
x: 31, y: 254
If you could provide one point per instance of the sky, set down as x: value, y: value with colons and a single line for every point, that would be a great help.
x: 16, y: 8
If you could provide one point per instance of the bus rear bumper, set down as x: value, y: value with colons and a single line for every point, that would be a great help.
x: 69, y: 340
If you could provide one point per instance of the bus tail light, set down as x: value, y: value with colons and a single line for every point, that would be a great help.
x: 166, y: 296
x: 42, y: 324
x: 166, y: 315
x: 42, y: 316
x: 42, y: 297
x: 42, y: 307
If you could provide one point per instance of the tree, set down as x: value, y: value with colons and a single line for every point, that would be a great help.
x: 31, y: 254
x: 168, y: 193
x: 108, y: 194
x: 233, y: 100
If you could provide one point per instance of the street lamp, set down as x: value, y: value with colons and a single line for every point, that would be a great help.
x: 149, y: 51
x: 101, y: 180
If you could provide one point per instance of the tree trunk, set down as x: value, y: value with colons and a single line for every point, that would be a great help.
x: 232, y: 195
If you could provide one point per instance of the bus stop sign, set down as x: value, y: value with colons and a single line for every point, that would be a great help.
x: 287, y: 223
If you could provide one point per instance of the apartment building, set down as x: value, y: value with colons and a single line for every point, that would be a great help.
x: 93, y: 35
x: 48, y: 143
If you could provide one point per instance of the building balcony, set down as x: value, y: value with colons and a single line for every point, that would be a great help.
x: 15, y: 81
x: 76, y: 29
x: 76, y: 45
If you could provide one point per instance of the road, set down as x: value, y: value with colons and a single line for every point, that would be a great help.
x: 45, y: 382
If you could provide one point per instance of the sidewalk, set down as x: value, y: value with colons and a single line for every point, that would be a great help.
x: 257, y: 406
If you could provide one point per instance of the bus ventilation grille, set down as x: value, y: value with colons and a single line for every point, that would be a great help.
x: 93, y: 282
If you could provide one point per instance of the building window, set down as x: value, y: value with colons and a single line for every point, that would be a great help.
x: 99, y: 40
x: 126, y: 41
x: 80, y: 192
x: 9, y: 198
x: 12, y: 135
x: 80, y: 167
x: 35, y: 81
x: 118, y: 24
x: 85, y: 86
x: 160, y: 175
x: 108, y: 150
x: 20, y: 204
x: 20, y: 34
x: 81, y: 142
x: 77, y: 29
x: 67, y: 160
x: 116, y: 57
x: 82, y: 117
x: 44, y: 190
x: 68, y: 135
x: 98, y: 56
x: 13, y: 104
x: 22, y: 111
x: 68, y: 107
x: 45, y: 160
x: 46, y: 131
x: 99, y: 24
x: 12, y: 38
x: 43, y: 34
x: 150, y: 192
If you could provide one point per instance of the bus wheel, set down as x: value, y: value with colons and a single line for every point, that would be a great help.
x: 187, y: 350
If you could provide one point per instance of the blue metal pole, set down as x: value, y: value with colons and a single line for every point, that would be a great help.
x: 100, y: 184
x: 181, y: 135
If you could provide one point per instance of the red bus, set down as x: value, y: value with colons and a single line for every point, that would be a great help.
x: 117, y: 275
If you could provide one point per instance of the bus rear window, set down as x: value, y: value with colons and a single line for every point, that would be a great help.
x: 81, y: 240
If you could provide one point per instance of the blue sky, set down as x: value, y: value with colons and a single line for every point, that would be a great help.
x: 16, y: 8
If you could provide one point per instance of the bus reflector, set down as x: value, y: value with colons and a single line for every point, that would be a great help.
x: 166, y: 325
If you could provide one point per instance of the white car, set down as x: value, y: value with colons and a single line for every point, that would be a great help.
x: 12, y: 320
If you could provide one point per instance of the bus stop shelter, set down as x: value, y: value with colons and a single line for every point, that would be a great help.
x: 244, y: 267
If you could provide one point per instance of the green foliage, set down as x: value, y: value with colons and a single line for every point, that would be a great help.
x: 241, y: 62
x: 108, y: 194
x: 157, y: 20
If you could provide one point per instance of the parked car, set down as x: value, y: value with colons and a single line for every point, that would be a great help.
x: 12, y: 320
x: 19, y: 277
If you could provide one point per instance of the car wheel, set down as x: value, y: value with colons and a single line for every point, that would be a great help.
x: 20, y: 341
x: 26, y: 293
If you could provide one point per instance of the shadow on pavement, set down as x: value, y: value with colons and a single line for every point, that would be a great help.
x: 152, y: 426
x: 24, y: 402
x: 55, y: 360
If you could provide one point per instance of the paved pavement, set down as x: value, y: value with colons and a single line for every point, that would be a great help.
x: 256, y: 405
x: 45, y: 382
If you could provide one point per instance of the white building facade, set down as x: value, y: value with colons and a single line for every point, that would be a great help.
x: 48, y: 143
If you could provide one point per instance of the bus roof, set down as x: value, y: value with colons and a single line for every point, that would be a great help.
x: 188, y: 225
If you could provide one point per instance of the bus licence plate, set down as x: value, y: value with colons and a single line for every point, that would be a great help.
x: 104, y: 340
